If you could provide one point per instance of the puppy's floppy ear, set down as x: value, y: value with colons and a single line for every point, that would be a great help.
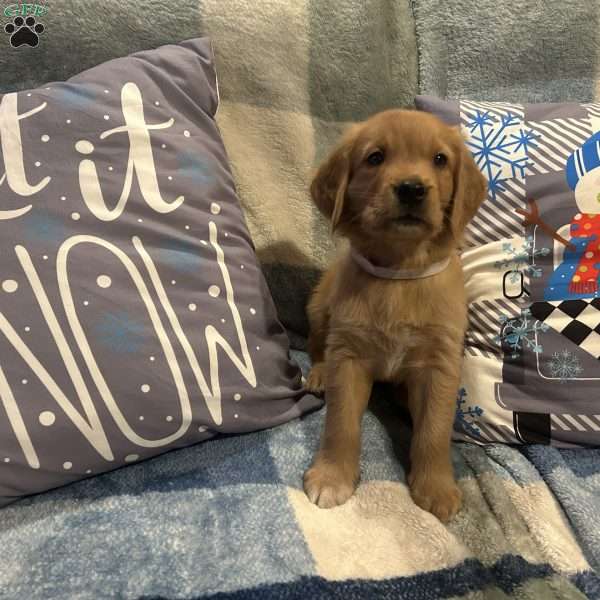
x: 470, y: 188
x: 330, y: 183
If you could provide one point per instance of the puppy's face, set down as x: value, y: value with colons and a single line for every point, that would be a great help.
x: 400, y: 176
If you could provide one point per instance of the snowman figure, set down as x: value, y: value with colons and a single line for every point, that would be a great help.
x: 576, y: 259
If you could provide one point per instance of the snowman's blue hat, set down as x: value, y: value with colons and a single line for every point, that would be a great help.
x: 584, y: 159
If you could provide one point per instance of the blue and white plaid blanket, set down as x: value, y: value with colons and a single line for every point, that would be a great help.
x: 228, y: 519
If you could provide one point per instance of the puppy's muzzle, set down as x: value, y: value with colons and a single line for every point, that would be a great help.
x: 410, y: 193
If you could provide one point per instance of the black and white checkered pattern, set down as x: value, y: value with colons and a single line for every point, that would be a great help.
x: 577, y: 320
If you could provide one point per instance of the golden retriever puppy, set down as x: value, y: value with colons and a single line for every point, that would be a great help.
x: 401, y: 187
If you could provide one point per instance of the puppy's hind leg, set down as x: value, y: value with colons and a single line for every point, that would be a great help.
x: 317, y: 376
x: 318, y: 316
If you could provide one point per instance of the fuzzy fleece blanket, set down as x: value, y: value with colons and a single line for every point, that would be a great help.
x: 228, y: 519
x: 501, y: 50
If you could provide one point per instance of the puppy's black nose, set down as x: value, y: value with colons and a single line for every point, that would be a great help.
x: 411, y: 192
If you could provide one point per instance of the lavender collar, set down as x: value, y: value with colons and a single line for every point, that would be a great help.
x: 383, y: 273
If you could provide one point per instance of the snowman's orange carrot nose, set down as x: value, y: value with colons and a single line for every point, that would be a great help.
x: 532, y: 217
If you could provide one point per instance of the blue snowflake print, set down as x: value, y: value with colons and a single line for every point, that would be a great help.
x: 119, y: 332
x: 520, y: 259
x: 500, y: 147
x: 564, y: 365
x: 465, y: 415
x: 519, y: 332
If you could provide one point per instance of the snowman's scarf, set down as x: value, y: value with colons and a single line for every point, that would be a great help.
x: 585, y: 277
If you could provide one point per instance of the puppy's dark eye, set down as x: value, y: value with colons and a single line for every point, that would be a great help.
x: 375, y: 158
x: 440, y: 160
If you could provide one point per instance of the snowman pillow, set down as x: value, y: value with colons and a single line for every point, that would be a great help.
x: 532, y: 263
x: 134, y: 318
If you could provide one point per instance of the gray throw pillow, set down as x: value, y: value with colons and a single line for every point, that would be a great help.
x: 532, y: 264
x: 134, y: 318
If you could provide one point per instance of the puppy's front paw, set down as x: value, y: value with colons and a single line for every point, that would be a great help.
x: 441, y: 497
x: 316, y: 378
x: 328, y: 485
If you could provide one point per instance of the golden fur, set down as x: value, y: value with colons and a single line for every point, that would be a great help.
x: 366, y: 329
